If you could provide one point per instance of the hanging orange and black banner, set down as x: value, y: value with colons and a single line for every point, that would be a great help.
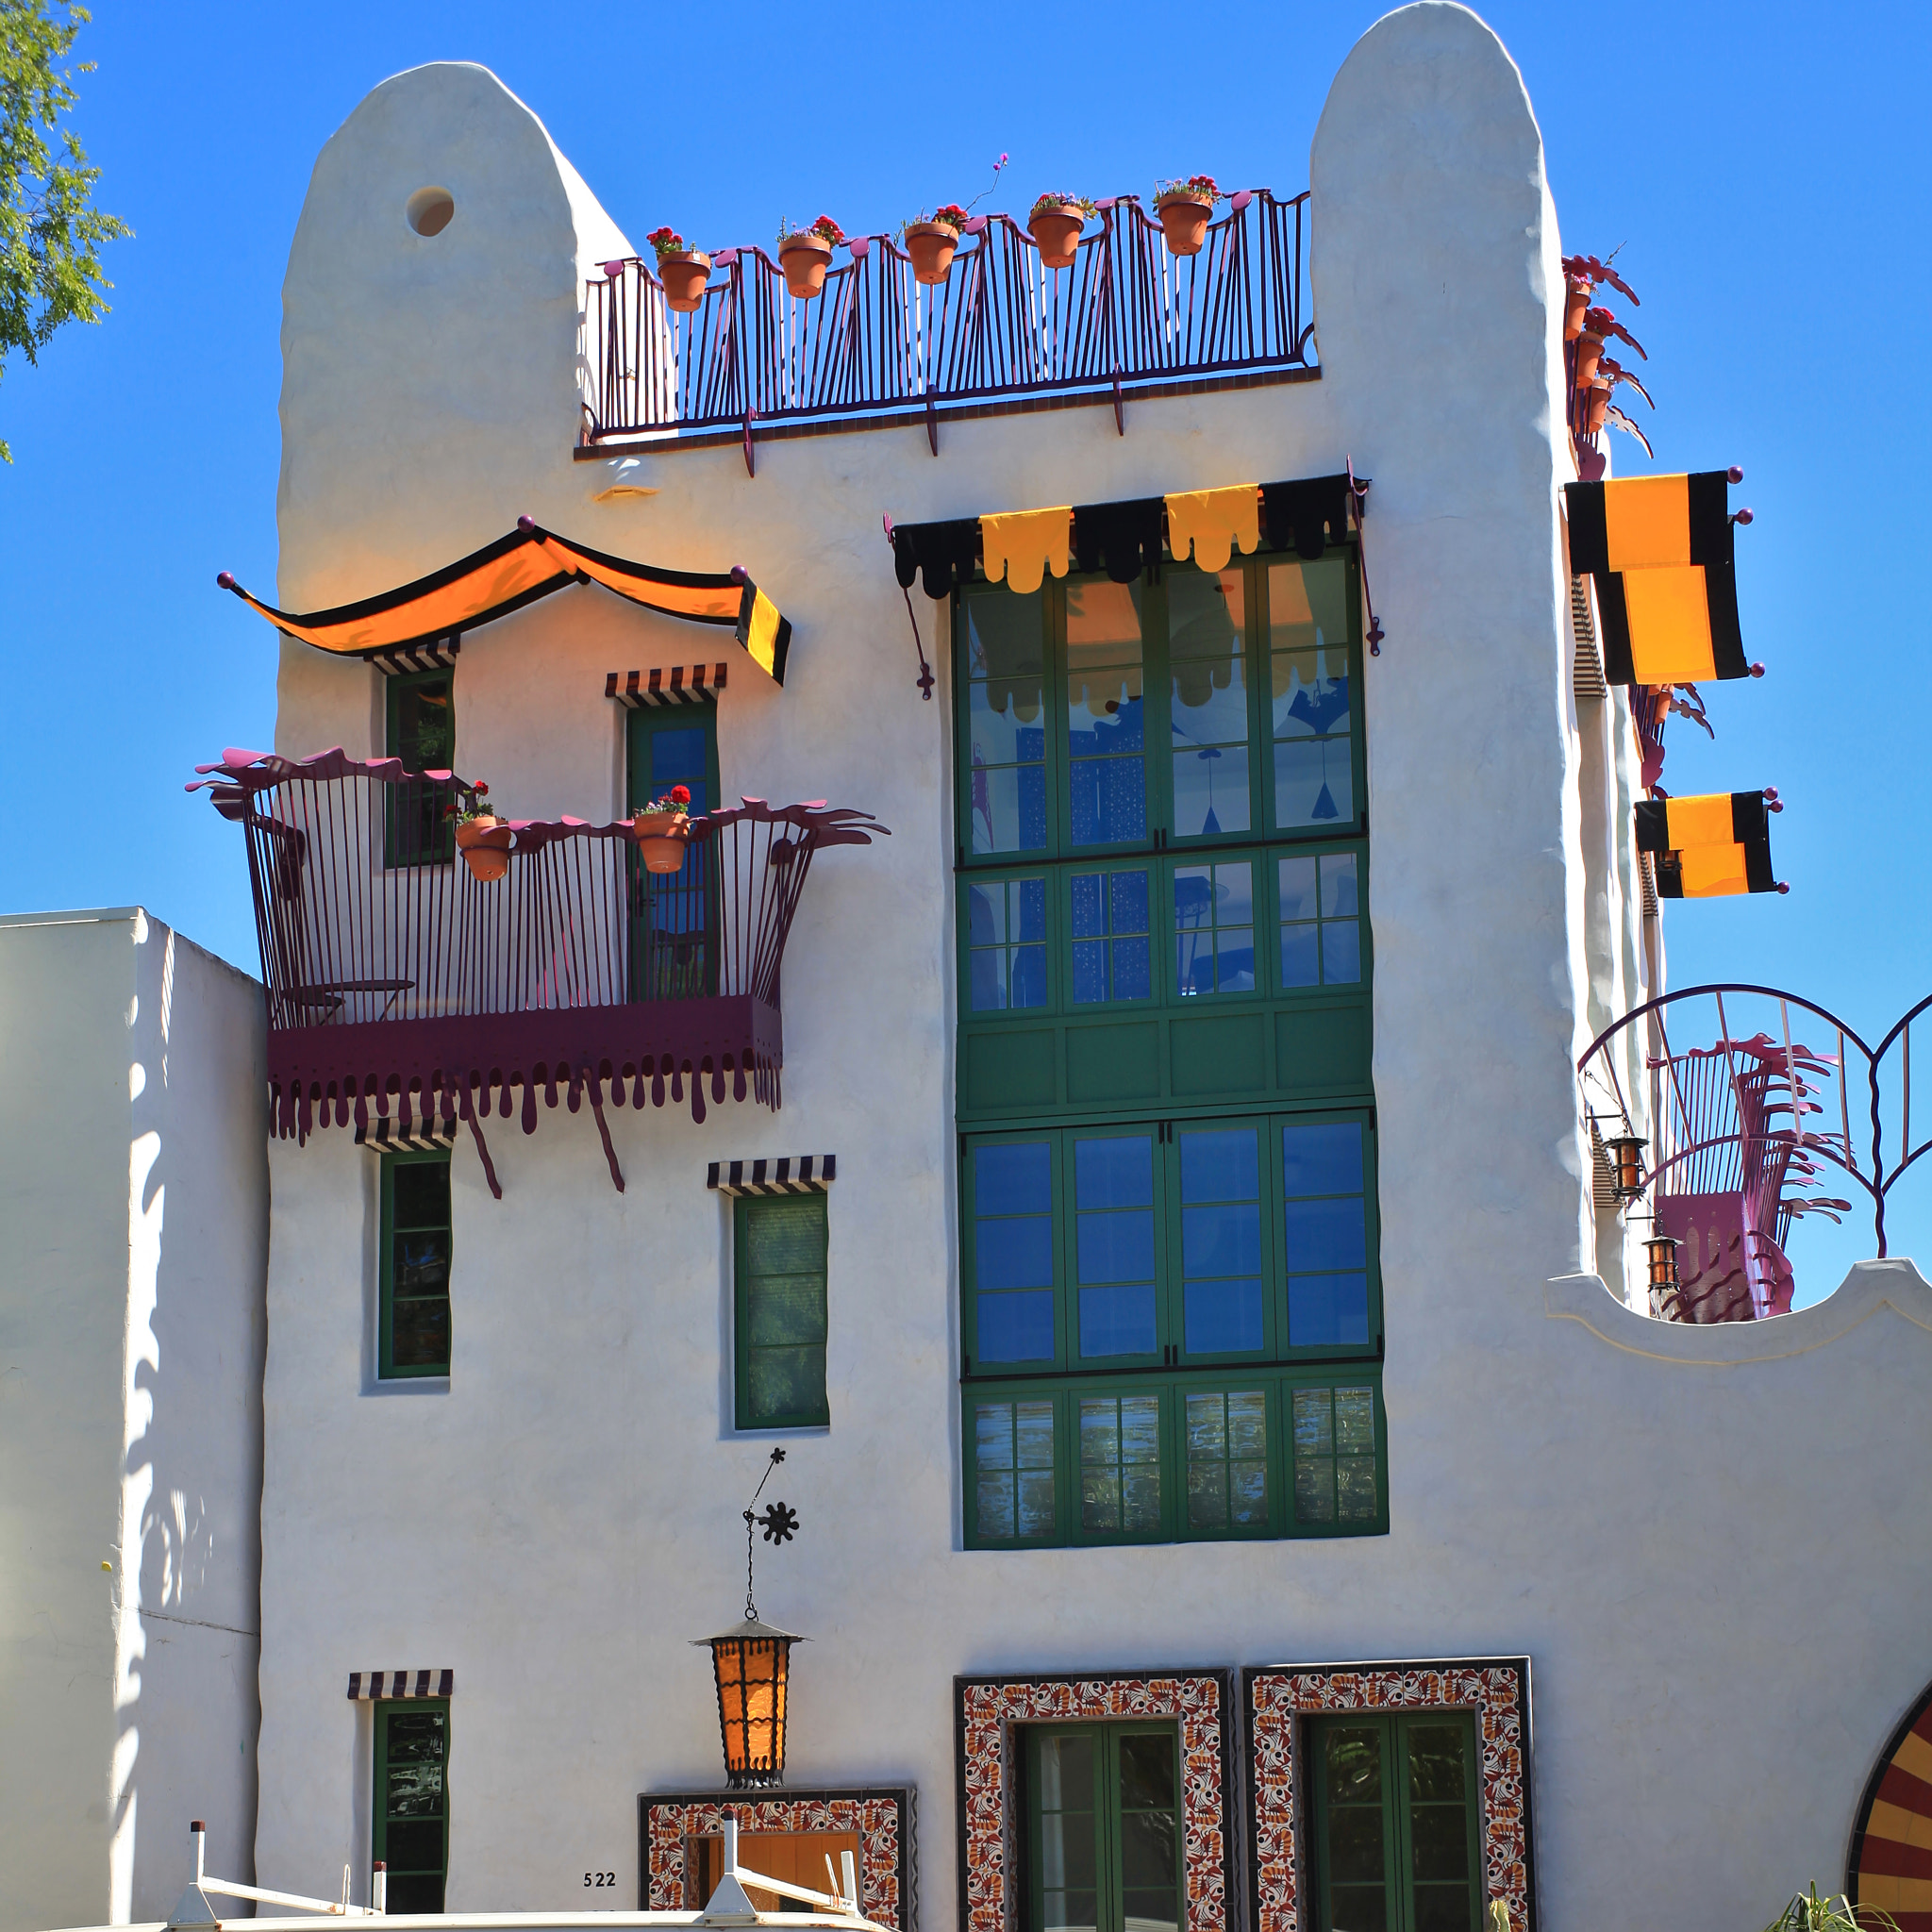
x: 1661, y: 551
x: 1709, y: 846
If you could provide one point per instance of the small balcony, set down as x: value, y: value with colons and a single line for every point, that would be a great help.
x: 400, y: 989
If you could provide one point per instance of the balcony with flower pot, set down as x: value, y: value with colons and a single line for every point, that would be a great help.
x: 625, y: 963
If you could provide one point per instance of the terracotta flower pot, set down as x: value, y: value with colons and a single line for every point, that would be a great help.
x: 931, y: 246
x: 805, y: 260
x: 661, y: 836
x: 1590, y: 350
x: 484, y: 845
x: 1599, y: 406
x: 684, y: 277
x: 1184, y: 219
x: 1576, y: 302
x: 1057, y: 231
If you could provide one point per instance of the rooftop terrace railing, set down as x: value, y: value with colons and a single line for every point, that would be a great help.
x: 1000, y: 332
x: 398, y: 983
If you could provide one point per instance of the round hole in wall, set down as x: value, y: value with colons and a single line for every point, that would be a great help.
x: 429, y: 210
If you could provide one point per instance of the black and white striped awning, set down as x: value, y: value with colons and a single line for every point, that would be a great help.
x: 798, y: 1174
x: 384, y: 1136
x: 365, y: 1685
x: 438, y: 654
x: 693, y: 684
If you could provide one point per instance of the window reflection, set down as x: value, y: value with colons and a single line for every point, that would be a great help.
x: 1311, y: 692
x: 1206, y: 625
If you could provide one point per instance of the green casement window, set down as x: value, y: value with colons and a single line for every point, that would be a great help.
x: 674, y: 915
x: 410, y: 1830
x: 414, y: 1321
x: 1171, y: 1243
x: 779, y: 1252
x: 1397, y: 1822
x: 1103, y: 1829
x: 1267, y: 1452
x: 1198, y: 706
x: 421, y: 729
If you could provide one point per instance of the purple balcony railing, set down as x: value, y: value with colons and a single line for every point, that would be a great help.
x: 1741, y: 1133
x: 400, y: 986
x: 1000, y: 330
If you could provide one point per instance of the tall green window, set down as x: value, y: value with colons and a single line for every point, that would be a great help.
x: 421, y: 729
x: 779, y: 1245
x: 1169, y: 1236
x: 1397, y: 1820
x: 410, y: 1829
x: 1103, y: 1829
x: 674, y: 915
x: 414, y: 1321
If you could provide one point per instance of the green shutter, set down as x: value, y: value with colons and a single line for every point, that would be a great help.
x: 414, y: 1316
x: 779, y: 1248
x: 410, y: 1829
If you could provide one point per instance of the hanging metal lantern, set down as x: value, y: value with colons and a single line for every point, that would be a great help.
x: 750, y: 1663
x: 1662, y: 1251
x: 1626, y: 1155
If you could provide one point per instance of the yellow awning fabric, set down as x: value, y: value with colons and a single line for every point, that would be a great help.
x: 1022, y: 545
x: 1214, y: 522
x: 516, y: 569
x: 1660, y: 549
x: 1708, y: 846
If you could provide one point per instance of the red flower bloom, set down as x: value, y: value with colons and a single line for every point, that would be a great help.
x: 680, y: 795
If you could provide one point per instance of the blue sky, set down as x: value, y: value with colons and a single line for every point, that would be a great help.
x: 1762, y: 169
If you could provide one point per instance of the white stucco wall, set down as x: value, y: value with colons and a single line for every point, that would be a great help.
x: 560, y: 1519
x: 133, y: 1213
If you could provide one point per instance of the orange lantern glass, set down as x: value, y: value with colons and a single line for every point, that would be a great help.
x: 1626, y: 1165
x: 1662, y: 1251
x: 750, y: 1663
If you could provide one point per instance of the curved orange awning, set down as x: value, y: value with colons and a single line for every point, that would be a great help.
x: 516, y: 569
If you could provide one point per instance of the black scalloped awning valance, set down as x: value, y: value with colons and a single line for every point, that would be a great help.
x: 1124, y: 538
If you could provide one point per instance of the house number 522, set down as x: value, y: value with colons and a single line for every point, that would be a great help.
x: 600, y: 1877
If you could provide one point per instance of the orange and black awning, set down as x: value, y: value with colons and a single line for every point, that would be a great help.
x: 1660, y: 549
x: 1709, y: 846
x: 517, y: 569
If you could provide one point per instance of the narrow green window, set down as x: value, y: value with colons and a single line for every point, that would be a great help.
x: 674, y: 915
x: 1116, y: 1245
x: 1103, y: 1829
x: 1325, y: 1234
x: 1334, y: 1432
x: 779, y: 1248
x: 1119, y: 1465
x: 1397, y: 1823
x: 1214, y: 927
x: 1207, y: 633
x: 1321, y: 920
x: 1005, y: 725
x: 1112, y: 935
x: 411, y: 1823
x: 1107, y: 738
x: 1227, y: 1440
x: 421, y: 729
x: 1312, y: 693
x: 1013, y: 1470
x: 1010, y: 1268
x: 415, y: 1313
x: 1005, y: 943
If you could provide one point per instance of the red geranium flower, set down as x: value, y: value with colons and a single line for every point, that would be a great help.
x: 680, y: 795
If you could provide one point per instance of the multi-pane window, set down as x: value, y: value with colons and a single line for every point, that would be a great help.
x: 410, y: 1827
x: 1266, y: 1452
x: 1006, y: 940
x: 421, y: 730
x: 779, y: 1248
x: 1103, y: 1829
x: 1319, y: 902
x: 1396, y: 1817
x: 1171, y: 1243
x: 414, y: 1317
x: 674, y: 915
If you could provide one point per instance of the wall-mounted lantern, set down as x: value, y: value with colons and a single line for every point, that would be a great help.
x: 1662, y: 1251
x: 1625, y: 1154
x: 751, y: 1664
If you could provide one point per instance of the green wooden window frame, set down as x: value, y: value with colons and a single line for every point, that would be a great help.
x: 1106, y: 1834
x: 779, y: 1248
x: 409, y: 1830
x: 1170, y: 1243
x: 1178, y: 931
x: 673, y: 917
x: 415, y: 1262
x: 1094, y: 716
x: 1222, y: 1458
x: 659, y: 754
x: 419, y: 727
x: 1397, y: 1805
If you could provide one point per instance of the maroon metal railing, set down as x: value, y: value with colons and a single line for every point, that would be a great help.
x: 1125, y: 314
x: 390, y: 972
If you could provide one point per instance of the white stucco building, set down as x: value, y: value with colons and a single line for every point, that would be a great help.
x: 134, y: 1198
x: 1184, y: 1304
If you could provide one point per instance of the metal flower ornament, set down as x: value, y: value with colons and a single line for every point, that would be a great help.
x: 780, y: 1524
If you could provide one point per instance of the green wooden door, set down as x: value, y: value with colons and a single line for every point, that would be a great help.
x: 411, y: 1823
x: 1103, y: 1829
